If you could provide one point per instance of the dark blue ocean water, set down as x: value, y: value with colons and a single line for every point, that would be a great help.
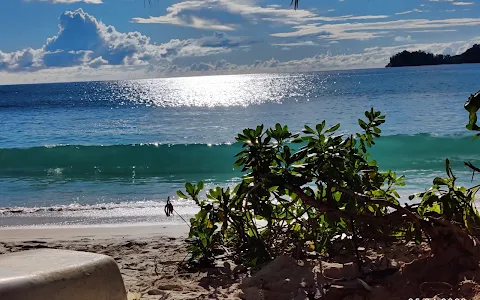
x: 109, y: 152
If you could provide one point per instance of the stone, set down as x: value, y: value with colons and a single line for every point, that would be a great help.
x: 155, y: 292
x: 51, y: 274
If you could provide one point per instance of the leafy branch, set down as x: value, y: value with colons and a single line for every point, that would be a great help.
x: 301, y: 190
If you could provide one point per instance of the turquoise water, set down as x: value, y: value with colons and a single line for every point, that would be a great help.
x: 111, y: 152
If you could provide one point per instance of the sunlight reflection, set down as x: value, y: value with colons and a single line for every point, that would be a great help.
x: 210, y: 91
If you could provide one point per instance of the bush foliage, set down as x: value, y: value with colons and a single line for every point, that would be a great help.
x: 320, y: 191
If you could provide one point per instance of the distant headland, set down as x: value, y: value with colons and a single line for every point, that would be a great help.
x: 422, y: 58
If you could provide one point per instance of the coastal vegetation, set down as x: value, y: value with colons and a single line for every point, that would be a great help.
x: 422, y: 58
x: 319, y: 192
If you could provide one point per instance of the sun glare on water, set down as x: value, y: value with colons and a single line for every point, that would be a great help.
x: 210, y: 91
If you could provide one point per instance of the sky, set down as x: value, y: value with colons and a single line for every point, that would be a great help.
x: 81, y: 40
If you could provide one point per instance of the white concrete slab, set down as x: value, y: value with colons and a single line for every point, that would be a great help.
x: 50, y: 274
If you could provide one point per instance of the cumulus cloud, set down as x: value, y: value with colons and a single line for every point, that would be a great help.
x: 221, y: 65
x: 99, y: 70
x: 83, y: 40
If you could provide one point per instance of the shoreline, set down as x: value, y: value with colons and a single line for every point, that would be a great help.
x: 76, y: 232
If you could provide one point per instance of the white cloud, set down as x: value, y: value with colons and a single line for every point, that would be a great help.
x: 368, y: 58
x: 175, y: 17
x: 403, y: 39
x: 83, y: 40
x: 296, y: 44
x: 409, y: 11
x: 370, y: 30
x: 70, y: 1
x: 432, y: 30
x: 460, y: 3
x: 181, y: 14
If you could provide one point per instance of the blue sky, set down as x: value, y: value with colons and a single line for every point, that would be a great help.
x: 72, y: 40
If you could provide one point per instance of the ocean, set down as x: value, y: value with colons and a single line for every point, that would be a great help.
x: 112, y: 152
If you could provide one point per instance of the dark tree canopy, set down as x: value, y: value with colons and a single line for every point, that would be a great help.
x: 422, y: 58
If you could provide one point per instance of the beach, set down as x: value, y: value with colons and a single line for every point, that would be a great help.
x: 147, y: 256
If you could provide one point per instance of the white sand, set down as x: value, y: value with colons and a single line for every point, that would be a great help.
x: 147, y: 256
x: 91, y: 232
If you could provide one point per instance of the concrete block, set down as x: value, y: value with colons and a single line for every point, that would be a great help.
x: 49, y: 274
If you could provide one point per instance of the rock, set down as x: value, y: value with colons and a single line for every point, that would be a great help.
x: 170, y: 287
x: 155, y: 292
x: 332, y: 270
x: 227, y: 268
x: 467, y: 288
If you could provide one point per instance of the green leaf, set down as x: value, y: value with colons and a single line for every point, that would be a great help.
x: 333, y: 128
x: 190, y: 188
x: 362, y: 124
x: 320, y: 127
x: 440, y: 181
x: 200, y: 185
x: 411, y: 197
x: 472, y: 105
x: 297, y: 141
x: 259, y: 130
x: 309, y: 130
x: 418, y: 236
x: 182, y: 195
